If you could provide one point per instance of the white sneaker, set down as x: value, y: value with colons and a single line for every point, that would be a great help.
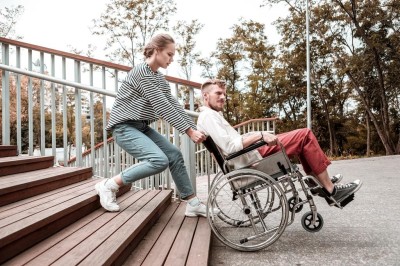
x: 108, y: 197
x: 199, y: 210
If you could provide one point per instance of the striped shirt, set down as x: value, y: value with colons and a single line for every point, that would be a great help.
x: 146, y: 95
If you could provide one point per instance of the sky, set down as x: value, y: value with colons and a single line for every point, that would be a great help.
x: 61, y: 25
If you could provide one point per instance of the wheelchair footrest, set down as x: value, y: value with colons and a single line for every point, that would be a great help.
x: 342, y: 203
x: 347, y: 200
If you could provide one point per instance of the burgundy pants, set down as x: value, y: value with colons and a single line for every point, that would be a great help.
x: 301, y: 143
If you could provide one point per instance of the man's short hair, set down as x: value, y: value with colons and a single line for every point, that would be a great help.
x: 218, y: 82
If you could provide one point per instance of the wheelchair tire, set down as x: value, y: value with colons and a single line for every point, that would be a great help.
x: 292, y: 202
x: 306, y: 222
x: 247, y: 210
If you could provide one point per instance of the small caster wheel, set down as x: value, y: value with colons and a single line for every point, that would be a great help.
x: 306, y: 222
x: 292, y: 202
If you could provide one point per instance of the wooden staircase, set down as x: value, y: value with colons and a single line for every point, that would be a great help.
x: 52, y: 215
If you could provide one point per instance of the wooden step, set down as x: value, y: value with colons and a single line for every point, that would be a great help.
x: 20, y: 164
x: 20, y: 186
x: 8, y: 150
x: 100, y: 238
x: 174, y: 240
x: 27, y: 222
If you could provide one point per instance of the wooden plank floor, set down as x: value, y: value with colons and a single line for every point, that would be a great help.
x: 100, y: 238
x: 21, y: 164
x: 174, y: 240
x: 20, y: 186
x: 52, y: 215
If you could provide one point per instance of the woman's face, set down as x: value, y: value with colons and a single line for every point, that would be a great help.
x: 165, y: 56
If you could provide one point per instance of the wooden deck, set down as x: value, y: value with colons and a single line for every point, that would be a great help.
x: 52, y: 215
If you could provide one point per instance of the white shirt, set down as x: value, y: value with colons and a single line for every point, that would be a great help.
x: 213, y: 124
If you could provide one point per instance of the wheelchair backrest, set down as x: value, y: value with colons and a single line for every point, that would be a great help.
x: 215, y: 152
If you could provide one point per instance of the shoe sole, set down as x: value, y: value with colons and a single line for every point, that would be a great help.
x: 96, y: 187
x: 331, y: 203
x: 194, y: 215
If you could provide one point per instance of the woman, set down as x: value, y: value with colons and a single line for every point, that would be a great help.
x: 144, y: 97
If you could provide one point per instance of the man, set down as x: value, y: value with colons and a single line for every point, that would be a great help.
x: 300, y: 142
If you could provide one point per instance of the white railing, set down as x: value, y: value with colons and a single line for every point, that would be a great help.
x: 42, y: 90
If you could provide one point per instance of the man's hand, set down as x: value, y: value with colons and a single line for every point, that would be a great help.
x: 269, y: 138
x: 195, y: 135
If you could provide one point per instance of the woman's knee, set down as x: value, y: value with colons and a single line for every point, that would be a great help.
x: 175, y: 155
x: 160, y: 162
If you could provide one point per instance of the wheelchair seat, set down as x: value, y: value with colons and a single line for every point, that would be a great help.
x: 275, y: 165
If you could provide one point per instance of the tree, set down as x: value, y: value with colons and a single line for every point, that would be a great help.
x: 185, y: 34
x: 129, y: 24
x: 8, y: 19
x: 185, y: 38
x: 259, y: 58
x: 354, y: 60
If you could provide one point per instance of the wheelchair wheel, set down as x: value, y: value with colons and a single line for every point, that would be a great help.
x: 253, y: 210
x: 307, y: 222
x: 292, y: 202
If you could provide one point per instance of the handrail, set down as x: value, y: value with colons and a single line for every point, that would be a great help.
x: 70, y: 83
x: 256, y: 120
x: 57, y: 80
x: 92, y: 60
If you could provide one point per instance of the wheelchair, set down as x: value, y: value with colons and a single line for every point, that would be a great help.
x: 249, y: 208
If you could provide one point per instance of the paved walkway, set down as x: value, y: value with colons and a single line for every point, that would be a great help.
x: 365, y: 232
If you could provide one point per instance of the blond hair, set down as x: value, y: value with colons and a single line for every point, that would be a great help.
x: 159, y: 41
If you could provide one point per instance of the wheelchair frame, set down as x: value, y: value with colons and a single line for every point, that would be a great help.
x: 259, y: 210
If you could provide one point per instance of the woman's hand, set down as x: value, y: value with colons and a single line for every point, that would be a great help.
x: 269, y: 138
x: 195, y: 135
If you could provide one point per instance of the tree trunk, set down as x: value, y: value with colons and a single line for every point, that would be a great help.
x: 382, y: 135
x: 368, y: 134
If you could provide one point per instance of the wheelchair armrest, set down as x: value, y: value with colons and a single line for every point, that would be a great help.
x: 246, y: 150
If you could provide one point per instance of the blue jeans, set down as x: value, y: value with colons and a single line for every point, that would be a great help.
x: 154, y: 152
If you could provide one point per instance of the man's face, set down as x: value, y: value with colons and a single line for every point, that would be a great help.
x: 215, y: 98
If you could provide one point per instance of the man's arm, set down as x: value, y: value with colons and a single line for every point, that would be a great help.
x: 253, y: 137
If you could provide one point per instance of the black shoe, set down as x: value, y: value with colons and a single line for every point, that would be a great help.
x: 344, y: 193
x: 318, y: 191
x: 336, y: 178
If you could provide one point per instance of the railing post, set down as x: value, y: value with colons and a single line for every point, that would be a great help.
x: 188, y: 155
x: 65, y: 113
x: 5, y: 97
x: 106, y: 172
x: 18, y: 60
x: 92, y: 121
x: 42, y: 114
x: 117, y: 150
x: 78, y: 116
x: 191, y: 99
x: 53, y: 112
x: 30, y: 105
